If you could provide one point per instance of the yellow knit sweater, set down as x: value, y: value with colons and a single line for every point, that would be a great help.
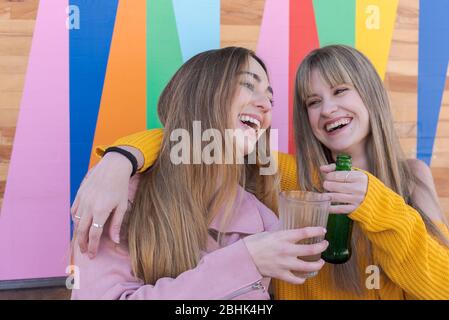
x: 414, y: 265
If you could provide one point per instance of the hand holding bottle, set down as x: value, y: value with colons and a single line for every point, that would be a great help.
x: 347, y: 189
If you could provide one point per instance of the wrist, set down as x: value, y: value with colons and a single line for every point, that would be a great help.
x: 125, y: 153
x: 119, y: 161
x: 136, y: 153
x: 251, y: 246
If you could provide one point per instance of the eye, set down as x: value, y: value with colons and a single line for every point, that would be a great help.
x: 312, y: 103
x: 248, y: 85
x: 340, y: 90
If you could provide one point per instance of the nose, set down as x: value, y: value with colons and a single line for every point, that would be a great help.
x: 328, y: 107
x: 262, y: 102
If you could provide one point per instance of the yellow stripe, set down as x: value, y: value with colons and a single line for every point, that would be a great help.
x: 374, y: 29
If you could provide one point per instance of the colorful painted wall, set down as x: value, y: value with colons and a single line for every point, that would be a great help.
x: 78, y: 73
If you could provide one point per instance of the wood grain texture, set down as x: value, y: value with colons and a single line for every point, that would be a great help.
x: 240, y: 22
x: 401, y: 79
x: 441, y: 152
x: 17, y: 20
x: 18, y: 9
x: 440, y: 176
x: 242, y: 12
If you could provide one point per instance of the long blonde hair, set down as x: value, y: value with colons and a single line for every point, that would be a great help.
x: 339, y: 64
x: 167, y: 226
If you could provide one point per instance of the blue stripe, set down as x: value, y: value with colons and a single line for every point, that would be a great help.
x: 432, y: 67
x: 89, y: 51
x: 198, y: 26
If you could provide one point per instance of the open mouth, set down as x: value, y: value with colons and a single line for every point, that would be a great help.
x: 250, y: 122
x: 338, y: 124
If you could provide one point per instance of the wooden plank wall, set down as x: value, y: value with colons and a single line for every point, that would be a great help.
x: 17, y: 19
x: 240, y: 25
x: 240, y: 22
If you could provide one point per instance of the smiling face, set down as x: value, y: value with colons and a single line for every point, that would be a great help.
x: 337, y: 115
x: 251, y: 106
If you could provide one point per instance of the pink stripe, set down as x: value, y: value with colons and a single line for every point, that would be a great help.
x: 34, y: 223
x: 273, y: 49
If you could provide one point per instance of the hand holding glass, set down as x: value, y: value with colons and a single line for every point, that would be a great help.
x: 300, y: 209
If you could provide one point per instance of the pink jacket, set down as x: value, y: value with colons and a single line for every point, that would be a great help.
x: 223, y: 273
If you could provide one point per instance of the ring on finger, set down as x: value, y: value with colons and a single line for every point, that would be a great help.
x: 97, y: 225
x: 347, y: 175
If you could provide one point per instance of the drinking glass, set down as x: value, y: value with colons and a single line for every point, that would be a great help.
x: 300, y: 209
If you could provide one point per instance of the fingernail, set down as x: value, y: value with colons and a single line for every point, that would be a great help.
x: 324, y: 230
x: 91, y: 255
x: 116, y: 239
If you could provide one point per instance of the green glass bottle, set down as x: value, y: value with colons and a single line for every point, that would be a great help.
x: 339, y: 226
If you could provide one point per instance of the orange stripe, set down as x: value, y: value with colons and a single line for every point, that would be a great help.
x: 123, y: 103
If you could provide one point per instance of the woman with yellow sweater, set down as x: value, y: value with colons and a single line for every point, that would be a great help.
x: 400, y: 236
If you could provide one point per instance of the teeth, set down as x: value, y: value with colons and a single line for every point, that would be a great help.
x: 337, y: 123
x: 250, y: 119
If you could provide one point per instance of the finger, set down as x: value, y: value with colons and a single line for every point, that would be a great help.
x: 74, y: 206
x: 95, y: 233
x: 74, y: 213
x: 288, y: 276
x: 78, y: 196
x: 340, y: 187
x: 342, y: 209
x: 76, y: 220
x: 342, y: 198
x: 82, y: 231
x: 116, y: 221
x: 306, y: 266
x: 296, y: 235
x: 343, y: 176
x: 328, y: 168
x: 305, y: 250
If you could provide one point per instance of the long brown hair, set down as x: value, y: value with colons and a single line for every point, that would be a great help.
x: 339, y: 64
x: 174, y: 204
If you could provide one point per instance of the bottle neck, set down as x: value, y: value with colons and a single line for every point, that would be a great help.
x: 343, y: 167
x: 344, y: 162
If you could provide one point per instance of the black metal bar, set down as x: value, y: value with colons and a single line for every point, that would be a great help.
x: 32, y: 283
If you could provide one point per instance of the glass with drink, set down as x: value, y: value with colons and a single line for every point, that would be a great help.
x: 301, y: 209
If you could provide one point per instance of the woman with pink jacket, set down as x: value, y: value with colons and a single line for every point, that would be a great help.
x: 204, y: 230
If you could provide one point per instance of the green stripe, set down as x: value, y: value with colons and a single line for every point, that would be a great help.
x: 164, y: 55
x: 335, y: 21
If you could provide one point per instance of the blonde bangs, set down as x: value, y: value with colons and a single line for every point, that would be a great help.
x: 329, y: 67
